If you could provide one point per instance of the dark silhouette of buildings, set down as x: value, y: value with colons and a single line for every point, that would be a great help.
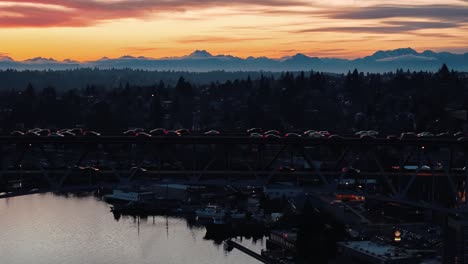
x: 456, y: 241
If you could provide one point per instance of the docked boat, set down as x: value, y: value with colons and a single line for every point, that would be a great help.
x: 161, y: 205
x: 218, y: 226
x: 211, y: 211
x: 129, y: 208
x: 128, y: 196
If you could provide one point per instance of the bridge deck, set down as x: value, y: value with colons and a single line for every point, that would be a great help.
x: 304, y: 141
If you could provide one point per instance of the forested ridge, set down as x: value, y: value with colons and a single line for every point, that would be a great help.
x: 289, y: 101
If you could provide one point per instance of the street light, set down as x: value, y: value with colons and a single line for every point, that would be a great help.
x: 397, y: 236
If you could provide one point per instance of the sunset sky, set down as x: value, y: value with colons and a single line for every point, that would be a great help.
x: 91, y: 29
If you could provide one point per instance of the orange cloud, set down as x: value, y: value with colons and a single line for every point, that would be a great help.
x: 211, y: 39
x: 78, y: 13
x: 163, y: 28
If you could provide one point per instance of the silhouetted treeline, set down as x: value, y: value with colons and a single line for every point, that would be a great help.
x: 112, y: 78
x: 390, y: 103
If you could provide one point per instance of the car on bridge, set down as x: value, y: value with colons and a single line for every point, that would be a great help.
x: 371, y: 133
x: 425, y: 135
x: 272, y: 132
x: 91, y: 133
x: 16, y: 133
x: 77, y: 131
x: 292, y: 135
x: 256, y: 135
x: 254, y: 130
x: 183, y: 131
x: 307, y: 132
x: 130, y: 132
x: 142, y: 135
x: 367, y: 137
x: 318, y: 135
x: 32, y: 134
x: 158, y: 132
x: 68, y: 134
x: 172, y: 133
x: 408, y: 135
x: 212, y: 133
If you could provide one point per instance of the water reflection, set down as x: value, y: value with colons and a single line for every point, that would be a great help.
x: 216, y: 237
x: 48, y: 228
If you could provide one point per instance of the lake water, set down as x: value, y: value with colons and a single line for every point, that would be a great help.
x: 51, y: 229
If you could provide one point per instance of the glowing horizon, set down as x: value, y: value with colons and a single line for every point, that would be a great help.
x: 85, y: 30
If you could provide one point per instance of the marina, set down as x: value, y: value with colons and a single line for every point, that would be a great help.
x: 57, y: 229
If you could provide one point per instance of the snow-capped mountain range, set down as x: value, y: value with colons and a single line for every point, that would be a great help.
x: 202, y: 61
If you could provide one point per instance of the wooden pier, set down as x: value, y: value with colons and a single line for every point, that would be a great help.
x: 251, y: 253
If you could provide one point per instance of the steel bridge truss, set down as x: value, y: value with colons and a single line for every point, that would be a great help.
x: 421, y: 171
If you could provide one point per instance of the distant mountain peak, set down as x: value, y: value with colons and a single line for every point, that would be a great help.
x: 70, y: 61
x: 5, y: 58
x: 202, y: 60
x: 297, y: 56
x: 392, y: 53
x: 405, y: 51
x: 127, y: 57
x: 428, y: 52
x: 300, y: 56
x: 200, y: 54
x: 41, y: 59
x: 408, y: 57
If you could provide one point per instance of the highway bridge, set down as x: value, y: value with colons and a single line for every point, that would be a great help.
x: 418, y: 170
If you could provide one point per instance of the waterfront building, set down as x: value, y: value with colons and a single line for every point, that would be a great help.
x: 376, y: 253
x: 284, y: 240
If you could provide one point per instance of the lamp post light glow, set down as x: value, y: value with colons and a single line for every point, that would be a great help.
x: 397, y: 236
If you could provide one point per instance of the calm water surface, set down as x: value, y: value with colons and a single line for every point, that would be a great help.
x: 50, y: 229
